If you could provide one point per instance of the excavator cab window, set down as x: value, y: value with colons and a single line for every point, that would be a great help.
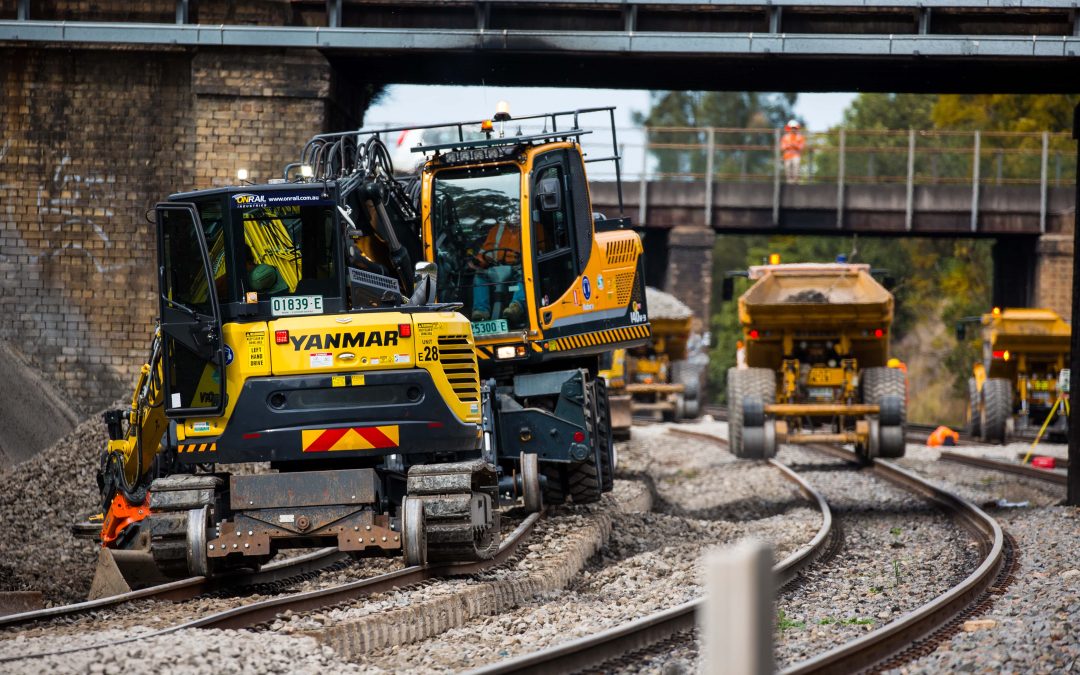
x: 287, y: 250
x: 476, y: 229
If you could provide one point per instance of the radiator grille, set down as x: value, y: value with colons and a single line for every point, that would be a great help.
x: 459, y: 363
x: 620, y: 251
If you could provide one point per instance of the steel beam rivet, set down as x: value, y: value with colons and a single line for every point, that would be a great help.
x: 238, y: 533
x: 384, y: 538
x: 395, y: 538
x: 354, y: 496
x: 367, y: 527
x: 373, y: 540
x: 234, y: 545
x: 211, y: 547
x: 250, y: 533
x: 356, y: 528
x: 251, y: 503
x: 247, y: 545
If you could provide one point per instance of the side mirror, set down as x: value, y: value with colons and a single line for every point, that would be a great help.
x: 547, y: 191
x: 961, y: 331
x: 425, y: 275
x: 727, y: 290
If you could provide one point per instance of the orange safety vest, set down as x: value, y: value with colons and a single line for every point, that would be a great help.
x: 938, y: 437
x: 792, y: 144
x: 506, y: 243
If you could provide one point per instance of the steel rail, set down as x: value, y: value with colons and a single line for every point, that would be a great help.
x: 920, y: 623
x: 252, y: 614
x: 595, y: 649
x: 853, y: 656
x: 185, y: 589
x: 1024, y: 470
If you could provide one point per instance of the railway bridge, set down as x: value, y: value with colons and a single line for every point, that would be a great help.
x: 107, y: 106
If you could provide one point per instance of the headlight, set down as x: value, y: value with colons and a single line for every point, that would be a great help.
x: 505, y: 352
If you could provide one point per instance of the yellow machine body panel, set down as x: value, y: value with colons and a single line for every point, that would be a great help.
x: 1018, y: 341
x: 592, y: 309
x: 346, y: 347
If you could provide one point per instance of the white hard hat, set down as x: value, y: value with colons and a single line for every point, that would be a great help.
x: 794, y: 124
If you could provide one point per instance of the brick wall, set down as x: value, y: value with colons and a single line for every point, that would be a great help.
x: 689, y: 269
x: 1053, y: 273
x: 89, y: 141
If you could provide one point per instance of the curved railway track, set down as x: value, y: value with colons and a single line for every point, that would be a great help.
x: 1045, y: 475
x: 255, y: 613
x: 596, y: 649
x: 890, y: 644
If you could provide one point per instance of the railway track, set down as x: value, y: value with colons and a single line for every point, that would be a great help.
x: 186, y: 589
x: 263, y: 611
x: 597, y: 649
x: 1045, y: 475
x: 895, y: 643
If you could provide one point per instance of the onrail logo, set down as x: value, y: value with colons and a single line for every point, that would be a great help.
x: 376, y: 338
x: 249, y: 199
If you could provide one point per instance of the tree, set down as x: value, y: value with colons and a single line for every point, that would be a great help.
x: 681, y: 151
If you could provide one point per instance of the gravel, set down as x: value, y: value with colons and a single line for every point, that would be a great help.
x: 35, y: 415
x: 665, y: 306
x: 47, y: 494
x: 649, y: 563
x: 1031, y: 627
x: 898, y: 553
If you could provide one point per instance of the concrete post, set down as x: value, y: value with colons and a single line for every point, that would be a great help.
x: 710, y: 148
x: 643, y: 195
x: 909, y: 209
x: 1073, y: 496
x: 975, y: 185
x: 777, y: 168
x: 1043, y: 170
x: 736, y: 622
x: 840, y: 184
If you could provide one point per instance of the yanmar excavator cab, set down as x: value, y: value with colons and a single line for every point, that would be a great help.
x: 549, y: 286
x: 297, y: 333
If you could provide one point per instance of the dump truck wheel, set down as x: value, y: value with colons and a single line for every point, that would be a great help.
x: 891, y: 443
x: 555, y: 483
x: 693, y: 408
x: 757, y: 386
x: 996, y: 409
x: 974, y: 427
x: 734, y: 395
x: 878, y: 383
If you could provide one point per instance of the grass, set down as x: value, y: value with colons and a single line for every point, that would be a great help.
x: 783, y: 623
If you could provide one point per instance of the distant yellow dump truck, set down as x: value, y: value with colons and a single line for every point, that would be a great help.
x: 666, y: 375
x: 817, y: 346
x: 1019, y: 381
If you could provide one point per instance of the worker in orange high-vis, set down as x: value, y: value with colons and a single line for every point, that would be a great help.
x: 791, y: 145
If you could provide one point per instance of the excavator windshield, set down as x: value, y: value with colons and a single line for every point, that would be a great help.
x: 476, y: 228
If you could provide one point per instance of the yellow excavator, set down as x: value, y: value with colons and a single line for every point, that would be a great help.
x: 296, y: 333
x: 550, y: 287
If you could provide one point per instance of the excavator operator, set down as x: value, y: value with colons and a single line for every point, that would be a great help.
x: 498, y: 263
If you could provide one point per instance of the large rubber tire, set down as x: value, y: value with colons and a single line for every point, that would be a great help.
x: 605, y: 437
x: 996, y: 409
x: 734, y: 406
x: 756, y: 384
x: 974, y: 423
x: 879, y: 382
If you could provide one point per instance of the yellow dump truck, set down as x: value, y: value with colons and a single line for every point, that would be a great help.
x: 815, y: 364
x: 613, y: 370
x: 1017, y: 385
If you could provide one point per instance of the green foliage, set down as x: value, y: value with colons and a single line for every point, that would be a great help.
x: 682, y: 152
